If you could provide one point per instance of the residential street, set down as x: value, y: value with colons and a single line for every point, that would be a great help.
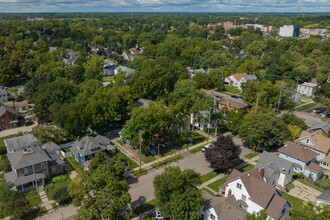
x: 68, y: 213
x: 12, y: 131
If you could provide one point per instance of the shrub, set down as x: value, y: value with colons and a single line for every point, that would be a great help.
x: 61, y: 195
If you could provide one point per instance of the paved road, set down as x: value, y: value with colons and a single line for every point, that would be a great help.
x: 68, y: 213
x: 16, y: 130
x: 309, y: 120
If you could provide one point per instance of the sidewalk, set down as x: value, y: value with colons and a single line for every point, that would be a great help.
x: 45, y: 201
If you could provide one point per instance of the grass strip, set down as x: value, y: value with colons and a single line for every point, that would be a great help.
x: 215, y: 185
x: 167, y: 161
x: 145, y: 207
x: 251, y: 155
x: 208, y: 176
x: 137, y: 173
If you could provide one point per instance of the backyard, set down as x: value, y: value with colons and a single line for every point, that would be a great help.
x: 74, y: 164
x: 231, y: 89
x: 183, y: 140
x: 55, y: 183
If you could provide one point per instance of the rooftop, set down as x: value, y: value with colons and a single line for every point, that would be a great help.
x: 20, y: 142
x: 325, y: 126
x: 4, y: 109
x: 298, y: 151
x: 324, y: 196
x: 233, y: 104
x: 318, y: 140
x: 309, y: 84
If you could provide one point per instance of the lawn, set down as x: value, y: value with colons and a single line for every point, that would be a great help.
x: 14, y: 90
x: 291, y: 199
x: 165, y: 151
x: 137, y: 173
x: 246, y: 168
x: 251, y: 155
x: 108, y: 79
x: 55, y: 183
x: 74, y: 164
x: 215, y: 185
x: 148, y: 159
x: 208, y: 176
x: 304, y: 107
x: 231, y: 89
x: 183, y: 142
x: 34, y: 213
x: 167, y: 161
x: 32, y: 197
x: 4, y: 163
x: 67, y: 150
x: 290, y: 186
x: 324, y: 181
x: 130, y: 163
x: 145, y: 207
x: 3, y: 149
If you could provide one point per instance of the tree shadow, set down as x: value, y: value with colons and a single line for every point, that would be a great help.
x: 141, y: 200
x: 131, y: 179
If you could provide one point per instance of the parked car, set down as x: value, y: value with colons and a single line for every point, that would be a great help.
x: 157, y: 215
x: 206, y: 147
x: 28, y: 123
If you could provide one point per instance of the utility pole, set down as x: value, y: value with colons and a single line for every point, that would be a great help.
x: 208, y: 126
x: 255, y: 111
x: 158, y: 152
x: 140, y: 150
x: 279, y: 101
x: 35, y: 180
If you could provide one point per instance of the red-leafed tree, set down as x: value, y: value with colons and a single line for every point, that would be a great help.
x: 224, y: 154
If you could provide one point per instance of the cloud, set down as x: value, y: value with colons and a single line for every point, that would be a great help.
x: 164, y: 5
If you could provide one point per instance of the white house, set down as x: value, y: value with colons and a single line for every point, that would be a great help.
x: 289, y: 31
x: 307, y: 89
x: 128, y: 71
x: 239, y: 78
x: 254, y: 195
x: 302, y: 159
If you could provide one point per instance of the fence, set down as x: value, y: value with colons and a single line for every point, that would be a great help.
x: 66, y: 154
x: 310, y: 181
x: 66, y: 145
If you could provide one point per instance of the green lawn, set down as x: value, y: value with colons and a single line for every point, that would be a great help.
x: 231, y: 89
x: 137, y: 173
x: 3, y: 149
x: 208, y: 176
x: 167, y: 161
x: 108, y: 79
x: 148, y: 159
x: 290, y: 186
x: 183, y: 142
x: 56, y: 182
x: 67, y: 150
x: 246, y: 168
x: 145, y: 207
x: 74, y: 164
x: 4, y: 163
x: 251, y: 155
x: 130, y: 163
x: 35, y: 213
x: 324, y: 181
x: 304, y: 107
x: 197, y: 149
x: 291, y: 199
x: 215, y: 185
x: 165, y: 151
x: 14, y: 90
x: 209, y: 191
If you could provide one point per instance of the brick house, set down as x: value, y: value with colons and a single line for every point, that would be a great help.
x: 8, y: 118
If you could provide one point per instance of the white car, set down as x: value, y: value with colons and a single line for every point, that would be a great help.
x: 206, y: 146
x: 157, y: 215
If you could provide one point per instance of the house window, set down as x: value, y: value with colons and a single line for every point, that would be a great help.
x: 26, y: 171
x: 54, y: 170
x: 283, y: 211
x: 289, y: 171
x: 243, y: 197
x: 43, y: 166
x: 212, y: 217
x: 307, y: 141
x: 239, y: 186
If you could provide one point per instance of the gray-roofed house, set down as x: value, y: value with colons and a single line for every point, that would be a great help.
x: 324, y: 127
x: 274, y: 170
x: 51, y: 146
x: 21, y: 142
x: 33, y: 165
x: 128, y: 71
x: 83, y: 150
x: 324, y: 198
x: 142, y: 102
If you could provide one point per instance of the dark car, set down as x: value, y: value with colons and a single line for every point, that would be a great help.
x: 28, y: 123
x: 235, y: 96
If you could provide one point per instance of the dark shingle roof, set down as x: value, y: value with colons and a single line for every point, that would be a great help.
x: 89, y: 145
x: 27, y: 157
x: 325, y: 126
x: 12, y: 178
x: 4, y: 109
x: 20, y: 142
x: 324, y: 196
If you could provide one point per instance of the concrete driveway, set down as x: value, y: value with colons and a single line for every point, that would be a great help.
x: 309, y: 120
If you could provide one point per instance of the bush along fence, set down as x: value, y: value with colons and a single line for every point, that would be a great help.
x: 310, y: 181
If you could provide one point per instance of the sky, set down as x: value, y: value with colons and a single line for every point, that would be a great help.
x: 164, y: 6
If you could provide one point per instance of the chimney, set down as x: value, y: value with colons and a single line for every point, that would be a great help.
x: 78, y: 138
x: 39, y: 146
x: 262, y: 172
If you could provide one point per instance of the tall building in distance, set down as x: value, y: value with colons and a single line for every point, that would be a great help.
x: 289, y: 31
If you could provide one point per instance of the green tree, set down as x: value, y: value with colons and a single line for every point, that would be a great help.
x: 176, y: 195
x: 101, y: 193
x: 264, y: 131
x: 93, y: 68
x: 262, y: 215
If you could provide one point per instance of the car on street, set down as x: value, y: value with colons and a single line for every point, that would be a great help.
x: 28, y: 123
x: 206, y: 147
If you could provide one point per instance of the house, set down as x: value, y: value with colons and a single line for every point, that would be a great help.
x: 323, y: 127
x: 192, y: 72
x: 32, y: 166
x: 307, y: 89
x: 254, y: 195
x: 109, y: 69
x: 21, y: 91
x: 8, y: 118
x: 232, y: 104
x: 302, y: 159
x: 19, y: 106
x: 275, y: 171
x: 142, y: 102
x: 201, y: 120
x: 83, y: 150
x: 51, y: 146
x: 315, y: 141
x: 21, y: 142
x: 239, y: 78
x: 324, y: 198
x: 295, y: 96
x: 127, y: 56
x: 216, y: 208
x: 128, y: 71
x: 3, y: 94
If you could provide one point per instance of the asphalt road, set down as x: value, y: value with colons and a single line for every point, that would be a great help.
x: 309, y: 120
x: 12, y: 131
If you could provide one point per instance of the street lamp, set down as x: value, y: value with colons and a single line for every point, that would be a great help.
x: 60, y: 210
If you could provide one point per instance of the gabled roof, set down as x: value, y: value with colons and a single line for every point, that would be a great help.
x: 50, y: 146
x: 232, y: 103
x: 319, y: 141
x: 275, y: 206
x: 89, y: 145
x: 324, y: 196
x: 229, y: 209
x: 20, y: 142
x: 314, y: 167
x: 4, y: 109
x: 298, y: 151
x: 239, y: 76
x: 325, y: 126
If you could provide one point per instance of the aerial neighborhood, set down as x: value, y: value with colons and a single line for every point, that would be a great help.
x: 205, y: 116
